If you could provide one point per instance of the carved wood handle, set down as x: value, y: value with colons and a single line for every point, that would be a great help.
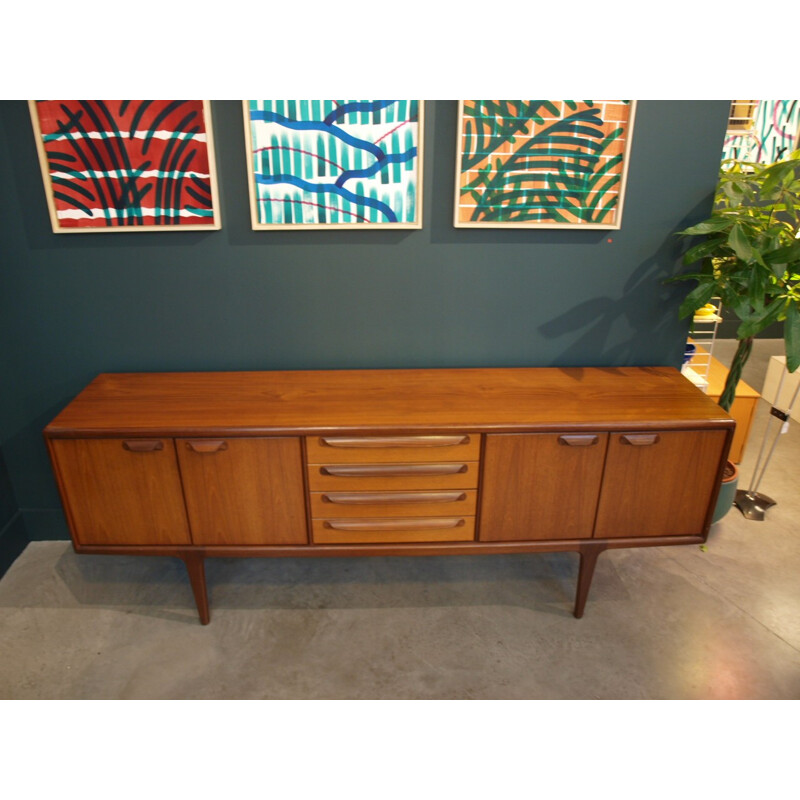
x: 393, y: 441
x: 391, y: 498
x: 416, y: 524
x: 391, y: 470
x: 578, y: 440
x: 207, y: 445
x: 640, y: 439
x: 143, y: 445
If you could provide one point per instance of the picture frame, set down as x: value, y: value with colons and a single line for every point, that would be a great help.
x: 542, y: 163
x: 762, y: 131
x: 334, y: 164
x: 127, y: 166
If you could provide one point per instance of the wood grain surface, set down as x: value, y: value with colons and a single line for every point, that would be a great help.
x: 659, y: 489
x: 115, y: 495
x: 537, y: 487
x: 250, y: 492
x: 384, y: 401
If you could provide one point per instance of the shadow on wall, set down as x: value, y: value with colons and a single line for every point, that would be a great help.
x: 637, y: 309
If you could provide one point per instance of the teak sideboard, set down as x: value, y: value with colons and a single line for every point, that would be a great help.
x: 388, y: 462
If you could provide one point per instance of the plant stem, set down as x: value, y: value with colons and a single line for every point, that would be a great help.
x: 740, y: 357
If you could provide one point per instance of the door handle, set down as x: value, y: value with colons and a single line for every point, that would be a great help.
x: 416, y: 524
x: 392, y: 498
x: 143, y: 445
x: 391, y: 470
x: 640, y: 439
x: 207, y: 445
x: 393, y: 441
x: 579, y: 440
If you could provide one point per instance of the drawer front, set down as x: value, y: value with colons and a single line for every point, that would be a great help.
x: 393, y: 477
x: 393, y: 489
x: 443, y: 502
x: 392, y: 449
x: 393, y: 531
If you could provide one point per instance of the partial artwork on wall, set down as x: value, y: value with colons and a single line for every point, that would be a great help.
x: 542, y: 163
x: 762, y: 131
x: 334, y: 164
x: 127, y: 165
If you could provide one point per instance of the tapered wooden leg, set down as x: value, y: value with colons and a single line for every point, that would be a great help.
x: 588, y: 553
x: 195, y: 566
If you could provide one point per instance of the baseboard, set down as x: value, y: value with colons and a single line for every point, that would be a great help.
x: 13, y: 540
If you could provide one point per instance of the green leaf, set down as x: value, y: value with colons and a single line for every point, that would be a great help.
x: 698, y: 297
x: 791, y: 335
x: 740, y: 244
x: 703, y: 250
x: 688, y: 276
x: 784, y: 255
x: 757, y: 289
x: 740, y: 307
x: 713, y: 225
x: 733, y: 191
x: 758, y: 322
x: 773, y: 179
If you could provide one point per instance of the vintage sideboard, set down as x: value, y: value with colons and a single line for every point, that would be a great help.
x: 388, y: 462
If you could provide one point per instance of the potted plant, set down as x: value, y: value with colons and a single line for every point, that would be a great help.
x: 749, y: 257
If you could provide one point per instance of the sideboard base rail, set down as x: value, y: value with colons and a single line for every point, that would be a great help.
x: 194, y: 557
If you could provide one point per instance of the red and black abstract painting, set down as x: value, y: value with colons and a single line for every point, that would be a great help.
x: 127, y: 164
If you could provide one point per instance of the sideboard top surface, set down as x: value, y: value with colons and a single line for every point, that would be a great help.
x: 242, y: 403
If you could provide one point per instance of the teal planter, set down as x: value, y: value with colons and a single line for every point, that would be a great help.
x: 727, y: 492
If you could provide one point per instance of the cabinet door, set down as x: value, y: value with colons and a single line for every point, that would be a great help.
x: 540, y: 486
x: 244, y: 491
x: 121, y: 492
x: 659, y: 484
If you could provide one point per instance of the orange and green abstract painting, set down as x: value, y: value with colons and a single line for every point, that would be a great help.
x: 550, y: 163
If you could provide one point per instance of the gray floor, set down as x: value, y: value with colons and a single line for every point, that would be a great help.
x: 673, y: 623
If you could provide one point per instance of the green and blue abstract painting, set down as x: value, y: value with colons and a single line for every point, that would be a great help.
x: 335, y: 162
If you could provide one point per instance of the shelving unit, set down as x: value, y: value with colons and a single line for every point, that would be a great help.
x: 744, y: 403
x: 704, y: 333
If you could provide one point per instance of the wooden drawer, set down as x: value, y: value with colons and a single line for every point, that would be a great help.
x: 391, y: 531
x: 392, y: 449
x: 393, y: 477
x: 443, y: 502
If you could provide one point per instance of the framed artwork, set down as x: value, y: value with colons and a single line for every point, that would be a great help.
x: 334, y: 164
x: 542, y: 163
x: 127, y: 165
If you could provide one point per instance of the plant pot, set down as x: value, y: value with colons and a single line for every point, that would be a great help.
x: 727, y: 492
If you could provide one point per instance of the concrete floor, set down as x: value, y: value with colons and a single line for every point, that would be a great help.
x: 660, y: 623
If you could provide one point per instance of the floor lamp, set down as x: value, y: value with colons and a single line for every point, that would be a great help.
x: 751, y: 502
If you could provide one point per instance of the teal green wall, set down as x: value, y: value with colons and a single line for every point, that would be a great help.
x: 76, y: 305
